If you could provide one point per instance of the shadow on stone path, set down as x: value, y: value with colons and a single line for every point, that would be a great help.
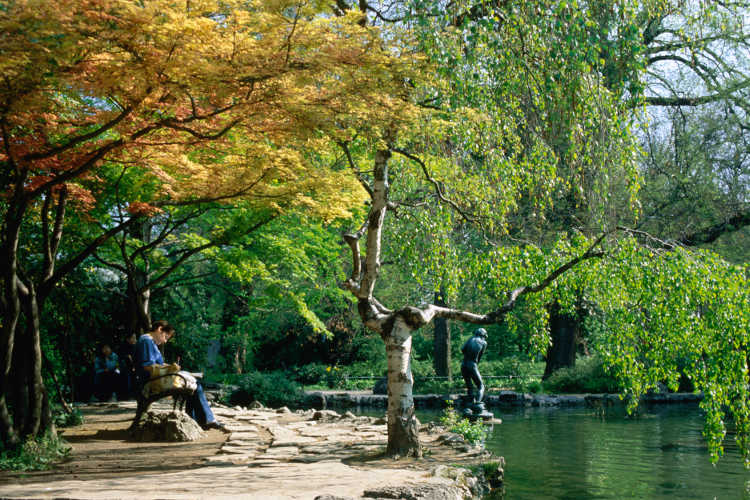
x: 270, y: 454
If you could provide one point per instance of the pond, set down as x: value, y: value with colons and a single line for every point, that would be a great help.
x: 554, y: 453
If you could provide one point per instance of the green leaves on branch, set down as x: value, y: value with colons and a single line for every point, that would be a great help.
x: 678, y: 313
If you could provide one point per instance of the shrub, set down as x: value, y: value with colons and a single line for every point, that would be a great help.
x: 311, y: 374
x: 473, y: 432
x: 35, y: 454
x: 273, y: 389
x: 588, y: 375
x: 534, y: 387
x: 68, y: 419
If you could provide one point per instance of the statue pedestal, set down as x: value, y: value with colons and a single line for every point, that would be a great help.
x: 475, y: 410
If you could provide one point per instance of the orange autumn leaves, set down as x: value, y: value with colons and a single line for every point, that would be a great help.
x: 213, y: 100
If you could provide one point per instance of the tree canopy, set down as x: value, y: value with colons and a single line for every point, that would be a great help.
x: 506, y: 156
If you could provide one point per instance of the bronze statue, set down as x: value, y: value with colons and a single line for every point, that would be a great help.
x: 473, y: 350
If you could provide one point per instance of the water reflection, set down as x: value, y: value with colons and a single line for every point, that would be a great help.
x: 577, y: 454
x: 582, y: 453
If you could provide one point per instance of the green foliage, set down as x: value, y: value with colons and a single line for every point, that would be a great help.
x: 310, y: 374
x: 534, y: 387
x: 589, y: 375
x: 273, y: 389
x: 473, y: 432
x: 35, y: 454
x: 673, y: 314
x: 68, y: 419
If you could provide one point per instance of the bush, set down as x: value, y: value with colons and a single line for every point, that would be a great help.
x: 587, y: 376
x: 68, y: 419
x: 273, y: 389
x: 35, y: 454
x: 311, y: 374
x: 473, y: 432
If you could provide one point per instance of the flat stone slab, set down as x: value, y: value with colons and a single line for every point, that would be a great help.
x: 240, y: 450
x: 301, y: 425
x: 224, y: 412
x: 263, y: 462
x: 239, y: 459
x: 379, y: 429
x: 260, y: 418
x: 281, y: 457
x: 282, y: 433
x: 328, y: 431
x: 323, y: 449
x: 243, y: 442
x: 244, y: 435
x: 312, y: 459
x: 240, y: 427
x: 297, y: 441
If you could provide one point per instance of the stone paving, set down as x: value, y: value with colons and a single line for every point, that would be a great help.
x: 263, y: 437
x: 279, y: 454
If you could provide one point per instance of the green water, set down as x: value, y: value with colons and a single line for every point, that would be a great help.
x: 575, y: 454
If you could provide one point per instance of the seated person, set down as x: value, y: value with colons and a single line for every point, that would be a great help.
x: 106, y: 373
x: 149, y: 361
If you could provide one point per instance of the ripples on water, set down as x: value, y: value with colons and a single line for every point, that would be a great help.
x: 575, y: 454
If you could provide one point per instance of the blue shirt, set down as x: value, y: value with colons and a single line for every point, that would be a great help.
x: 102, y: 364
x: 147, y: 353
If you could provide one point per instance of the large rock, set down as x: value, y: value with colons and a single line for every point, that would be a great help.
x: 381, y: 386
x: 418, y: 492
x: 167, y: 426
x: 315, y: 400
x: 326, y: 416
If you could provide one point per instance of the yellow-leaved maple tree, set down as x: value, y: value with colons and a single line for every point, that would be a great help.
x: 215, y: 100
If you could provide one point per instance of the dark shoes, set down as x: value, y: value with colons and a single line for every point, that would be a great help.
x: 216, y: 425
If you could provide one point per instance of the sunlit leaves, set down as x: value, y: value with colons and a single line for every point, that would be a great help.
x: 678, y: 312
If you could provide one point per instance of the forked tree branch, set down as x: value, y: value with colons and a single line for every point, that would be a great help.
x: 436, y: 184
x: 421, y: 316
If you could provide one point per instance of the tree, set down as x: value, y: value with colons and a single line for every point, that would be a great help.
x: 396, y: 326
x: 208, y: 100
x: 559, y: 130
x: 695, y: 170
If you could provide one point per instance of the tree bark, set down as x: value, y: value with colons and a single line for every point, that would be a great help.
x: 139, y: 314
x: 396, y: 327
x: 11, y: 305
x: 403, y: 431
x: 565, y: 336
x: 442, y: 340
x: 34, y: 352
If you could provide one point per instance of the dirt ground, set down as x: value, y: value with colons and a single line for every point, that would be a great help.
x: 269, y: 455
x: 102, y: 450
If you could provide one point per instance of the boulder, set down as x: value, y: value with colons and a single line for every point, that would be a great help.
x: 325, y: 415
x: 381, y: 386
x: 418, y: 492
x: 315, y: 400
x: 167, y: 426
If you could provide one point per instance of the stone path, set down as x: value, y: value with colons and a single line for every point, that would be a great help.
x: 276, y: 454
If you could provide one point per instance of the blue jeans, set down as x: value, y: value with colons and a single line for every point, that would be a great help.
x: 197, y: 407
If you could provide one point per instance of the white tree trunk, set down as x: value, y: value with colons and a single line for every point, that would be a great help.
x: 403, y: 432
